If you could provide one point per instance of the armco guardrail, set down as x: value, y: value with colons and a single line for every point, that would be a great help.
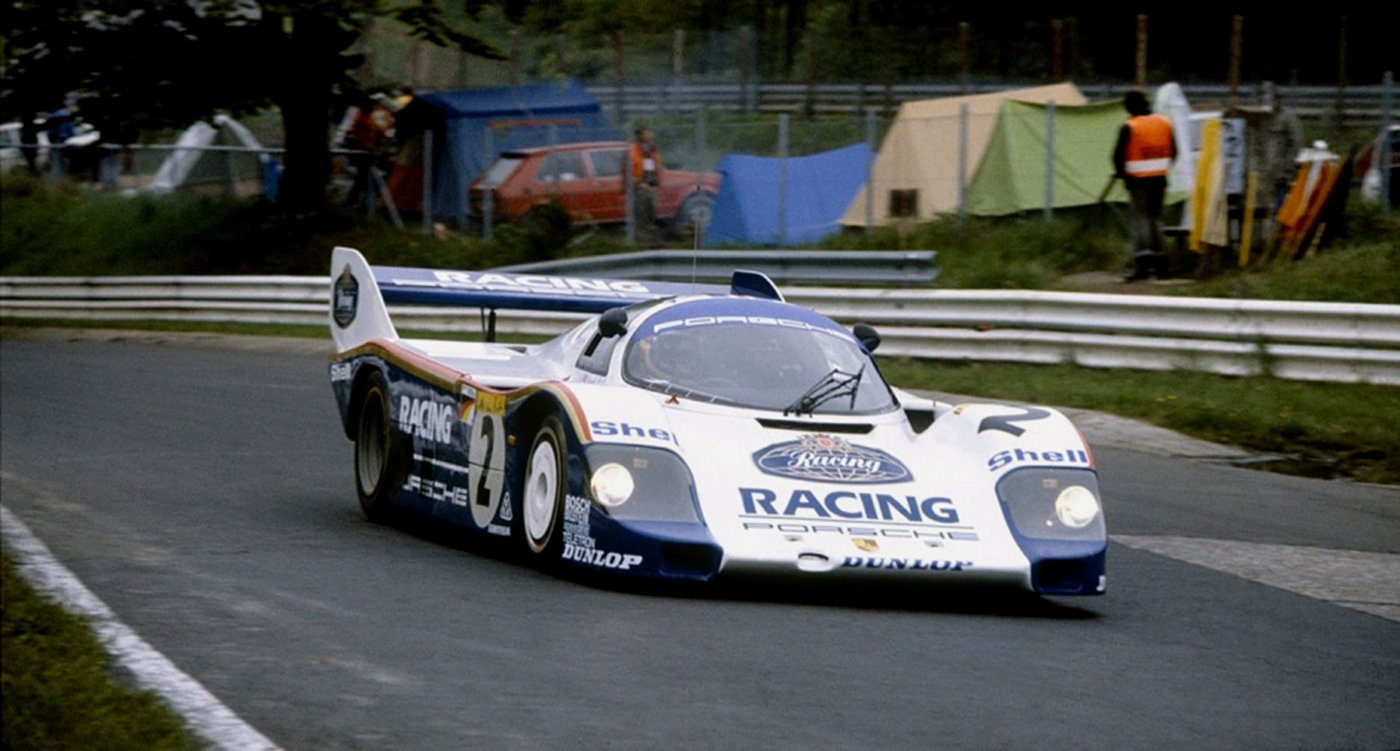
x: 783, y: 266
x: 1301, y: 340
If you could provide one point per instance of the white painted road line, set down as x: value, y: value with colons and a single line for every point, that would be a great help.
x: 206, y: 716
x: 1368, y: 582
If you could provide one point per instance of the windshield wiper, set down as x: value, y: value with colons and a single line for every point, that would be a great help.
x: 833, y: 385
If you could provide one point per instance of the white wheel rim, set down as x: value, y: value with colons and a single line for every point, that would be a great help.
x: 540, y: 487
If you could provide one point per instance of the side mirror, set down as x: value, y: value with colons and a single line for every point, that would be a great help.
x: 867, y: 335
x: 613, y: 323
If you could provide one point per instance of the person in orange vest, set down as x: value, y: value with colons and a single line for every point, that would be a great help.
x: 1142, y: 157
x: 644, y: 168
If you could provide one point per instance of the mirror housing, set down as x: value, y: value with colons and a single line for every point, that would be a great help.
x: 867, y: 336
x: 613, y: 323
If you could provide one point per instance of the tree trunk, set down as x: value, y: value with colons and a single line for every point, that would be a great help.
x: 306, y: 164
x: 304, y: 99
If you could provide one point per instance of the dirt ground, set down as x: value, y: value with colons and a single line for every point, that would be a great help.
x: 1112, y: 283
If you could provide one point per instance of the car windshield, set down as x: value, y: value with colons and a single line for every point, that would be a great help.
x: 499, y: 171
x: 754, y: 354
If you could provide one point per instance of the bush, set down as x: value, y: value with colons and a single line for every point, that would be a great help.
x: 65, y: 230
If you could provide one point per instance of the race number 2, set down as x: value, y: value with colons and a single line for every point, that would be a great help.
x: 487, y: 457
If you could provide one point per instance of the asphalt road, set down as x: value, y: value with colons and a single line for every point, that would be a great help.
x: 204, y: 492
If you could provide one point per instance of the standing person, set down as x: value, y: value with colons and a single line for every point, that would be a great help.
x: 644, y: 167
x: 29, y: 143
x: 1285, y: 136
x: 59, y: 127
x: 368, y: 134
x: 1142, y: 158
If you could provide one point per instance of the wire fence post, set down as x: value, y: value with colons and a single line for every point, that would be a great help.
x: 963, y: 116
x: 630, y: 230
x: 745, y: 67
x: 700, y: 145
x: 488, y: 191
x: 619, y: 73
x: 677, y: 67
x: 869, y: 170
x: 1049, y: 160
x: 782, y: 178
x: 1387, y: 116
x: 1340, y: 105
x: 428, y: 182
x: 370, y: 187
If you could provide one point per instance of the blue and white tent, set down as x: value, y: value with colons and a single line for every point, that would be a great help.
x: 515, y: 117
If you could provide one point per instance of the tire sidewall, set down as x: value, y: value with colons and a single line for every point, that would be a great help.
x: 377, y: 501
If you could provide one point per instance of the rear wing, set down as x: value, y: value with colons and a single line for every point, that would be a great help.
x: 360, y: 293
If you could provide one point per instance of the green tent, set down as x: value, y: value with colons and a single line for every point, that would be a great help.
x: 1011, y: 176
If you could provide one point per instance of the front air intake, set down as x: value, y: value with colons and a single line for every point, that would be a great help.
x: 689, y: 559
x: 807, y: 426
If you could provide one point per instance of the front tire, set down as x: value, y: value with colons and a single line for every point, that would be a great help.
x: 380, y: 465
x: 542, y: 499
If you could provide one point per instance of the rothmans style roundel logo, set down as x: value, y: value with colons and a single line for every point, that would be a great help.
x: 346, y: 295
x: 830, y: 459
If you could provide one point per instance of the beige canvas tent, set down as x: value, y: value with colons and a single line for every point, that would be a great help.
x: 916, y: 171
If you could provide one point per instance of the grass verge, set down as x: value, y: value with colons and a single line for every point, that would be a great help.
x: 1362, y: 266
x: 1327, y: 429
x: 1021, y: 253
x: 58, y: 687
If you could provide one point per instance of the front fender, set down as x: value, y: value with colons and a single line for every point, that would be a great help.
x: 623, y: 416
x: 1001, y: 437
x: 1029, y: 455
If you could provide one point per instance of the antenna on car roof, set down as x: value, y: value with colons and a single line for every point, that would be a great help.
x: 695, y: 243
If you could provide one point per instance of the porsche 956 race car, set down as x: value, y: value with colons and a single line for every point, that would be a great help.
x: 695, y: 431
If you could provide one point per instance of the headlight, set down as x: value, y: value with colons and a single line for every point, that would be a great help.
x: 1052, y: 503
x: 640, y: 483
x: 611, y: 484
x: 1076, y: 506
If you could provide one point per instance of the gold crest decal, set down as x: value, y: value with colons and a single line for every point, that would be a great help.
x: 867, y: 544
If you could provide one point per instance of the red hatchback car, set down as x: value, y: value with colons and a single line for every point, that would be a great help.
x: 586, y: 179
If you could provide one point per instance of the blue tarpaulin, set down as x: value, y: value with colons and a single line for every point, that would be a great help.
x: 516, y: 117
x: 819, y: 187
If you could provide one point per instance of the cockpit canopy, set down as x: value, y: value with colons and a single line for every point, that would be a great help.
x: 755, y: 353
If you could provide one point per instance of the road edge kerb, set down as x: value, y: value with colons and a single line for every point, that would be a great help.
x: 205, y: 715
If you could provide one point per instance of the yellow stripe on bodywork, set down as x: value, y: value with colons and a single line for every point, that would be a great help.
x: 490, y: 400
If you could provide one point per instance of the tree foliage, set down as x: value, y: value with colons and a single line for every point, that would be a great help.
x: 165, y: 63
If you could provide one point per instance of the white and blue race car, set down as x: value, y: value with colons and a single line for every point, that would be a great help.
x: 691, y: 432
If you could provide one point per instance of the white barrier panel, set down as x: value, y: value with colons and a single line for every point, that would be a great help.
x: 1346, y: 342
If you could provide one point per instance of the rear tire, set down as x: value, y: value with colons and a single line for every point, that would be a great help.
x: 542, y: 497
x: 381, y: 464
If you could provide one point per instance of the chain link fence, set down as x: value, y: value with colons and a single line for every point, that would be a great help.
x: 935, y: 159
